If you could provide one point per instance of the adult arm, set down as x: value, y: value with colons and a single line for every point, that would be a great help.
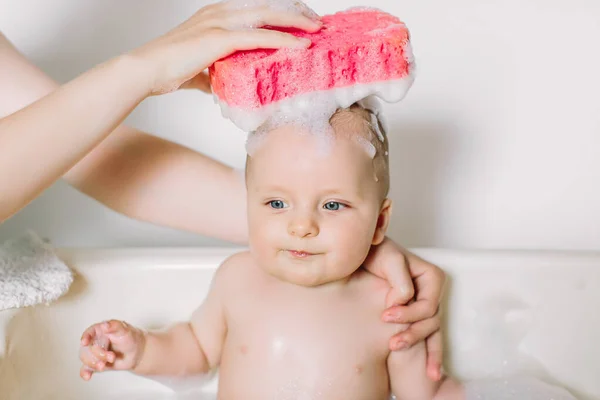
x: 43, y: 140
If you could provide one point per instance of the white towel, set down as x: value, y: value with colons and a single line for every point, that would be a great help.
x: 31, y: 273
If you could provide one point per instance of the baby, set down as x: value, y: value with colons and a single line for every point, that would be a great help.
x: 295, y: 317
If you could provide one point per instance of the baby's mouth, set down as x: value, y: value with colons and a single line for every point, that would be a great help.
x: 300, y: 253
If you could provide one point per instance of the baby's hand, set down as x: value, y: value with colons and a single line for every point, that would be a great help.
x: 112, y: 345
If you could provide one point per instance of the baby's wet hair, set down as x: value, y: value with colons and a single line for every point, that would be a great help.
x: 364, y: 125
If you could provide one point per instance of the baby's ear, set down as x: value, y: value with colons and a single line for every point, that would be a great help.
x: 383, y: 222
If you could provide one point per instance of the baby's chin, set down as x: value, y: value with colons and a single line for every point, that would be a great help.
x: 305, y: 280
x: 287, y: 275
x: 303, y: 275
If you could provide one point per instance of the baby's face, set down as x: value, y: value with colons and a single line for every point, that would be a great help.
x: 313, y: 215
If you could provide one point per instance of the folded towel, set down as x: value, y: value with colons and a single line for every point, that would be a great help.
x: 31, y: 273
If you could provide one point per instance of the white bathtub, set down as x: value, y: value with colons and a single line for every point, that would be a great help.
x: 506, y: 312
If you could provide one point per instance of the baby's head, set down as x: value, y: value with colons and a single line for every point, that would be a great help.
x: 313, y: 215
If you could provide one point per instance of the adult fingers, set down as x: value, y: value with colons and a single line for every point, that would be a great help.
x: 228, y: 15
x: 266, y: 16
x: 398, y: 275
x: 415, y: 333
x: 388, y: 262
x: 265, y: 39
x: 411, y: 313
x: 200, y: 82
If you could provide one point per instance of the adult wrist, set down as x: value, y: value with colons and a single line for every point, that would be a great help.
x: 138, y: 77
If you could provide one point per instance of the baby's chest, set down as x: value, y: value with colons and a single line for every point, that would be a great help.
x: 309, y: 331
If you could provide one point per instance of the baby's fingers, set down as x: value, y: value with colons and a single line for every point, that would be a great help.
x: 115, y: 328
x: 85, y: 373
x: 88, y: 335
x: 90, y: 361
x: 102, y: 354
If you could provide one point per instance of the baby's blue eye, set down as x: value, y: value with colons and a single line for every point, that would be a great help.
x: 333, y: 206
x: 277, y: 204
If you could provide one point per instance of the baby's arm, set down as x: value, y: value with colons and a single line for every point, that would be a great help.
x: 189, y: 348
x: 409, y: 380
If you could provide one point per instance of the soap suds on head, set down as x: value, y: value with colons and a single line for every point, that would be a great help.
x: 313, y: 122
x: 313, y: 110
x: 359, y: 123
x: 309, y: 112
x: 367, y: 145
x: 320, y: 120
x: 254, y: 141
x: 378, y: 122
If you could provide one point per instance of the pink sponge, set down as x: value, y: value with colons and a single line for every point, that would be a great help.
x: 358, y: 53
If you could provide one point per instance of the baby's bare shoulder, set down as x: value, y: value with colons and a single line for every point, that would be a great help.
x: 371, y: 287
x: 235, y: 270
x: 234, y: 265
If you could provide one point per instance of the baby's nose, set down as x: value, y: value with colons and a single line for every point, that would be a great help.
x: 303, y: 226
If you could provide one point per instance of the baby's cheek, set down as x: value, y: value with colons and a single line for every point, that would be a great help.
x: 357, y: 232
x: 266, y: 234
x: 350, y: 243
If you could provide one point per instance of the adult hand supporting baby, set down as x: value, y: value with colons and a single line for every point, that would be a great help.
x: 411, y: 278
x: 69, y: 122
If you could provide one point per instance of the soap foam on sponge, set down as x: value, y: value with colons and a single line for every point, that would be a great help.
x: 359, y: 54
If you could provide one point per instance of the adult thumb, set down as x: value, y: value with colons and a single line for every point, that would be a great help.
x: 200, y: 82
